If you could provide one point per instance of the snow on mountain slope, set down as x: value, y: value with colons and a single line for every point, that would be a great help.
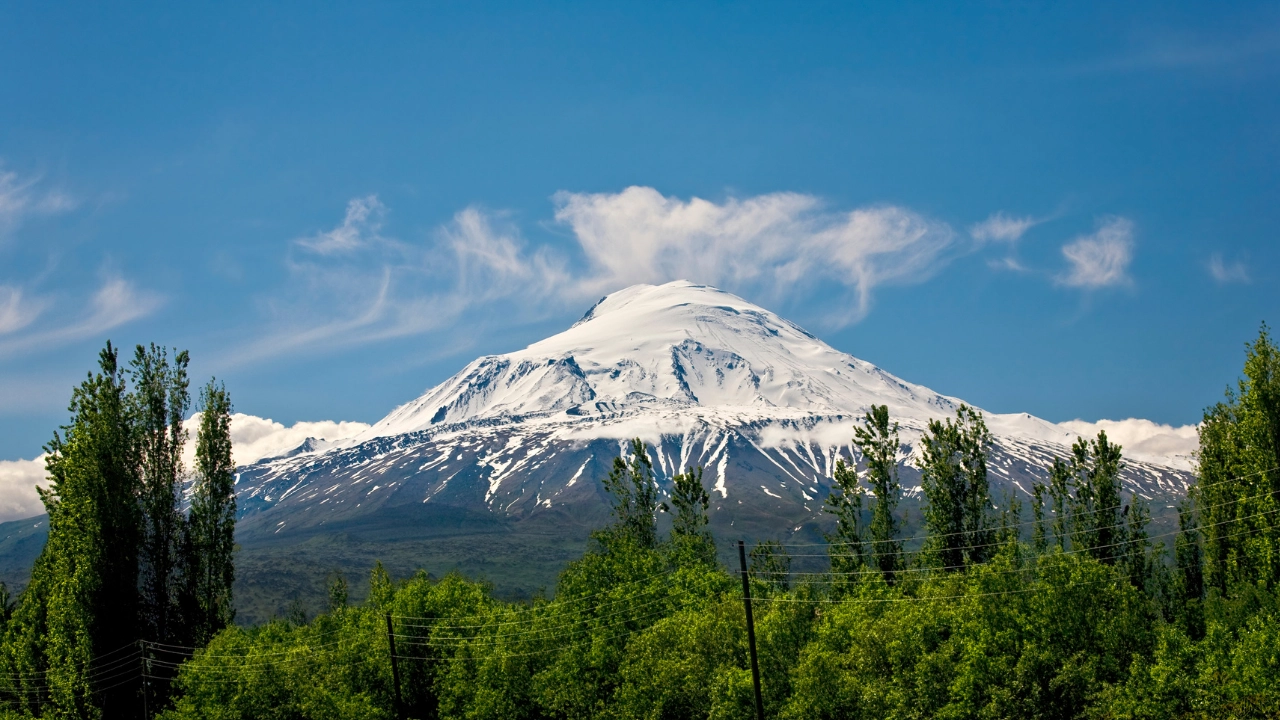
x: 679, y: 351
x: 674, y: 346
x: 702, y: 376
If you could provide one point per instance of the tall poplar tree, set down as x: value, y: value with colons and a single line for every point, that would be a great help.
x: 160, y: 399
x: 1238, y: 493
x: 877, y: 441
x: 210, y: 529
x: 1098, y: 512
x: 1091, y: 515
x: 82, y: 601
x: 635, y: 499
x: 953, y: 477
x: 846, y: 543
x: 689, y: 519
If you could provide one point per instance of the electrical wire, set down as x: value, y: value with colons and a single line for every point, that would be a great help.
x: 554, y: 628
x: 847, y: 601
x: 499, y: 640
x: 553, y: 603
x: 995, y: 544
x: 523, y: 621
x: 1033, y: 522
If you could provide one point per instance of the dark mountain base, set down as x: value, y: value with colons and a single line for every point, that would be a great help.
x: 288, y: 551
x: 274, y: 579
x: 20, y: 544
x: 279, y: 576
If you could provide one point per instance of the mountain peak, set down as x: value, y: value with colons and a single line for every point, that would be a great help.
x: 648, y: 315
x: 657, y: 359
x: 644, y: 300
x: 670, y: 346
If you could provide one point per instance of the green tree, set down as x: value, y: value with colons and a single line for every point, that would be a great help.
x: 1097, y: 510
x: 1039, y: 531
x: 82, y: 601
x: 877, y: 441
x: 846, y: 542
x: 209, y: 546
x: 1091, y: 515
x: 1238, y: 489
x: 1059, y: 491
x: 772, y: 564
x: 635, y: 500
x: 689, y: 520
x: 337, y: 587
x: 953, y: 478
x: 159, y: 401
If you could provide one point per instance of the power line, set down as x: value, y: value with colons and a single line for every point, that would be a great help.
x: 550, y: 604
x: 525, y: 621
x: 1033, y: 522
x: 998, y: 529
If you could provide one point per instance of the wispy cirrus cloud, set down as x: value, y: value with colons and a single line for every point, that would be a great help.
x: 1007, y: 230
x: 1168, y: 50
x: 353, y: 285
x: 359, y: 228
x: 1102, y: 258
x: 22, y: 198
x: 115, y: 303
x: 1227, y: 273
x: 356, y: 283
x: 1002, y: 227
x: 1009, y: 264
x: 17, y: 311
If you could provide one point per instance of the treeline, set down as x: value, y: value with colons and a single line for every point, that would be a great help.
x: 125, y: 567
x: 1063, y: 608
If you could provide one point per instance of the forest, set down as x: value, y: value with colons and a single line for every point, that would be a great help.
x: 1059, y: 605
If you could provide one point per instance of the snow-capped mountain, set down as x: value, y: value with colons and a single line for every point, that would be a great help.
x: 704, y: 377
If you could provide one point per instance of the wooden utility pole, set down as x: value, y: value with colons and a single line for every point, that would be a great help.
x: 146, y: 681
x: 395, y: 669
x: 751, y: 629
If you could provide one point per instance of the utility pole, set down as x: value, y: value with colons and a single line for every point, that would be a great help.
x: 751, y: 629
x: 395, y: 669
x: 146, y: 683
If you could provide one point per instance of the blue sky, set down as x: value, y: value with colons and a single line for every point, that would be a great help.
x: 1066, y: 211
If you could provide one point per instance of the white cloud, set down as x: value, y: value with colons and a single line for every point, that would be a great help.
x: 354, y: 285
x: 1161, y: 49
x: 383, y: 288
x: 1101, y: 259
x: 18, y: 480
x: 491, y: 262
x: 116, y: 302
x: 1144, y: 439
x: 359, y: 228
x: 254, y: 438
x: 1225, y: 273
x: 21, y: 198
x: 1011, y: 264
x: 15, y: 312
x: 768, y: 242
x: 1002, y: 228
